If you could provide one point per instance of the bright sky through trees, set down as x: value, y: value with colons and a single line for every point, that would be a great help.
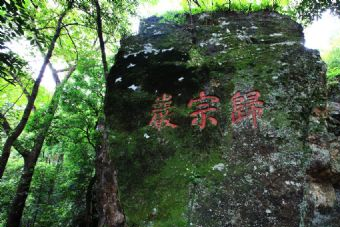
x: 318, y: 35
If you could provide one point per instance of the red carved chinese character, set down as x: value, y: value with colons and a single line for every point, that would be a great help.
x: 245, y: 106
x: 204, y: 107
x: 161, y: 112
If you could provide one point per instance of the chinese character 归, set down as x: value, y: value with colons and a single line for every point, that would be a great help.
x: 203, y: 108
x: 245, y: 106
x: 161, y: 112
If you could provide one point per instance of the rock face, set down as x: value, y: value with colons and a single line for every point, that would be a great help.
x: 220, y: 120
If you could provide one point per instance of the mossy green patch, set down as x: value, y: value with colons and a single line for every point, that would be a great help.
x: 162, y: 198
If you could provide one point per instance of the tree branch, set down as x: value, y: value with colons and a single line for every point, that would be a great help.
x: 100, y: 37
x: 13, y: 104
x: 28, y: 109
x: 18, y: 203
x: 23, y: 88
x: 7, y: 128
x: 88, y: 137
x: 74, y: 44
x: 63, y: 70
x: 5, y: 86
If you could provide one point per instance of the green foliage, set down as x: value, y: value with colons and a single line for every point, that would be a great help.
x: 174, y: 16
x: 308, y: 10
x: 13, y: 19
x: 13, y: 98
x: 199, y: 6
x: 8, y: 186
x: 195, y: 7
x: 161, y: 193
x: 64, y: 170
x: 333, y: 62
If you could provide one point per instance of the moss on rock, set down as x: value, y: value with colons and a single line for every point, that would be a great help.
x: 229, y: 174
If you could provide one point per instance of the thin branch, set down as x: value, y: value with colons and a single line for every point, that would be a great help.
x: 63, y: 70
x: 197, y: 3
x: 105, y: 42
x: 48, y: 21
x: 23, y: 88
x: 87, y: 26
x: 70, y: 24
x: 28, y: 109
x: 190, y: 10
x: 8, y: 80
x: 43, y: 28
x: 72, y: 69
x: 4, y: 123
x: 89, y: 138
x: 35, y: 6
x: 74, y: 44
x: 54, y: 71
x: 49, y: 27
x: 18, y: 203
x: 60, y: 43
x: 95, y: 42
x: 5, y: 86
x: 13, y: 104
x: 100, y: 37
x: 7, y: 128
x: 95, y: 110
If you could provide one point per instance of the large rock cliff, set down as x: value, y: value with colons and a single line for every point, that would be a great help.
x: 221, y: 120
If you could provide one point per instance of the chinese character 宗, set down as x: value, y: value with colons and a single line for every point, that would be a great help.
x: 203, y: 109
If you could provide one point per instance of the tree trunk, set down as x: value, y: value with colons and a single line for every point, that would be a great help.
x: 18, y: 145
x: 59, y: 166
x: 100, y: 37
x: 90, y: 215
x: 23, y: 88
x: 28, y: 109
x: 18, y: 204
x: 108, y: 206
x: 110, y: 212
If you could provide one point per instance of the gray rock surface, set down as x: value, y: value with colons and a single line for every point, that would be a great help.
x: 224, y: 122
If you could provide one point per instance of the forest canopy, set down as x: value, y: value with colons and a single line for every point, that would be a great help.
x: 50, y: 140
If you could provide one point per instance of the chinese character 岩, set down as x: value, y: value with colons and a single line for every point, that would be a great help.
x: 161, y: 112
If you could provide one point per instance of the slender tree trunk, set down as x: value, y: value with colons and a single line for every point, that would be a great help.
x: 54, y: 71
x: 18, y: 204
x: 15, y: 214
x: 100, y: 36
x: 28, y: 109
x: 90, y: 215
x: 23, y: 88
x: 110, y: 212
x: 7, y: 128
x: 37, y: 202
x: 108, y: 205
x: 59, y: 166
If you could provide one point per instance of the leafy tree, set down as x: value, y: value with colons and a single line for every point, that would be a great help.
x: 308, y: 10
x: 77, y: 35
x: 13, y: 19
x: 62, y: 138
x: 332, y: 59
x: 28, y: 109
x: 233, y: 5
